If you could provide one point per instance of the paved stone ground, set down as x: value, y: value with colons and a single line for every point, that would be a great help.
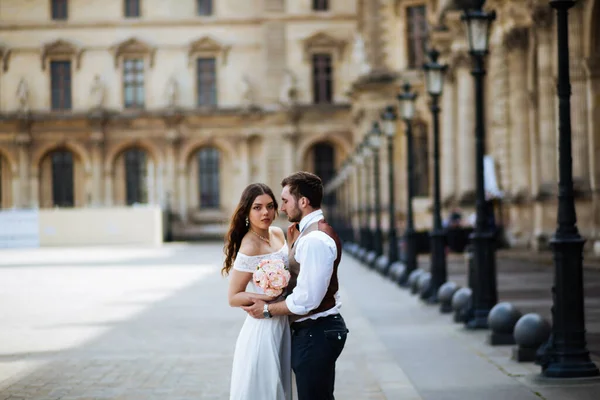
x: 153, y: 323
x: 135, y: 323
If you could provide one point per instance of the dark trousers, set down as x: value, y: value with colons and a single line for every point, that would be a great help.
x: 316, y: 345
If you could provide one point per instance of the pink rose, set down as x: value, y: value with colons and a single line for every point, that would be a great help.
x: 279, y: 280
x: 273, y: 292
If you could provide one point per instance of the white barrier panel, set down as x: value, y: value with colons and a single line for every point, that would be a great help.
x: 19, y: 228
x: 101, y: 226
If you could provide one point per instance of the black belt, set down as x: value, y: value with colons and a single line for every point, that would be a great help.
x: 312, y: 322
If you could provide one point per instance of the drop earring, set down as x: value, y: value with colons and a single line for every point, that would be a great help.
x: 247, y: 222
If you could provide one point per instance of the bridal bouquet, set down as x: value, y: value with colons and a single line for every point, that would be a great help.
x: 272, y: 276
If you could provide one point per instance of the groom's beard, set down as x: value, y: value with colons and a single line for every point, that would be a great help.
x: 295, y: 216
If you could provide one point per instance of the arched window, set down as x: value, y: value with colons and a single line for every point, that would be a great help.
x: 136, y: 174
x: 62, y: 178
x: 421, y: 157
x: 208, y: 178
x: 324, y: 166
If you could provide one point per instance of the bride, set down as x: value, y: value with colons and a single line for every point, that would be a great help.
x: 262, y: 359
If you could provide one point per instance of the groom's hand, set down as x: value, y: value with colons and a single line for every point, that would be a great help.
x: 256, y: 309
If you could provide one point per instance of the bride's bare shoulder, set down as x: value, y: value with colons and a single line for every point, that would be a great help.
x: 278, y: 232
x: 249, y: 246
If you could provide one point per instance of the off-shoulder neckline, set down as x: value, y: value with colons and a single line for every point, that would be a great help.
x: 267, y: 254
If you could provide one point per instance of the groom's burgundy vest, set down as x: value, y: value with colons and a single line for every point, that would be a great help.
x: 329, y: 299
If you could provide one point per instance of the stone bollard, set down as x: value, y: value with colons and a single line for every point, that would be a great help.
x: 502, y: 320
x: 413, y: 280
x: 424, y: 284
x: 370, y: 259
x: 445, y: 293
x: 361, y: 253
x: 381, y: 264
x: 530, y: 332
x: 461, y: 301
x: 352, y: 249
x: 396, y: 271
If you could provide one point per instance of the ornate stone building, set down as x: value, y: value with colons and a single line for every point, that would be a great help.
x: 521, y: 106
x: 178, y: 103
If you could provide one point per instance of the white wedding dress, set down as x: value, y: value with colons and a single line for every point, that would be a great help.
x: 262, y: 359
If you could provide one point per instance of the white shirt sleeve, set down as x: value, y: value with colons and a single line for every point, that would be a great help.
x: 316, y: 253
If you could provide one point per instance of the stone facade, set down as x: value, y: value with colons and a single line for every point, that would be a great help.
x: 264, y: 124
x: 521, y: 108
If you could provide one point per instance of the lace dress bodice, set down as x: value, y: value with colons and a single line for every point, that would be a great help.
x: 246, y: 263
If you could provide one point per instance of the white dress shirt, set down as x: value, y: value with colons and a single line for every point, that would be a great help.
x: 315, y: 252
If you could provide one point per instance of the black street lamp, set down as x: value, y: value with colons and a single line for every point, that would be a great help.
x: 485, y: 292
x: 359, y: 163
x: 566, y: 354
x: 434, y: 79
x: 407, y: 112
x: 389, y: 118
x: 375, y: 143
x: 368, y: 206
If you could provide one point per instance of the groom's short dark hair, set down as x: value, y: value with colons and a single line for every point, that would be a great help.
x: 305, y: 184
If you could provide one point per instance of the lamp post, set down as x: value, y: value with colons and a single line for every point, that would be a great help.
x: 366, y: 154
x: 407, y: 107
x: 389, y: 118
x: 566, y: 354
x: 375, y: 143
x: 359, y: 161
x: 434, y: 79
x: 347, y: 193
x: 351, y: 171
x: 485, y: 292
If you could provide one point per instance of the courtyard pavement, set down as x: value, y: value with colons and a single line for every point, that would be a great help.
x: 154, y: 323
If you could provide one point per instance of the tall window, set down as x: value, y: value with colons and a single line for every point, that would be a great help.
x: 417, y: 36
x: 59, y: 9
x: 206, y: 81
x: 208, y: 174
x: 205, y: 7
x: 62, y: 178
x: 324, y: 158
x: 421, y: 168
x: 322, y: 78
x: 133, y: 83
x: 136, y: 175
x: 132, y: 8
x: 60, y: 82
x: 320, y: 5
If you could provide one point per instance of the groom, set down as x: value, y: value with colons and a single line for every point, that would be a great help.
x: 318, y: 330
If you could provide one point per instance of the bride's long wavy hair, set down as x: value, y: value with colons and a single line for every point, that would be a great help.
x: 238, y: 227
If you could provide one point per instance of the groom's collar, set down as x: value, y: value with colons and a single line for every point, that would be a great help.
x: 310, y: 218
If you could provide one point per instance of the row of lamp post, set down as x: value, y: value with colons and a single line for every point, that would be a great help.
x: 565, y: 354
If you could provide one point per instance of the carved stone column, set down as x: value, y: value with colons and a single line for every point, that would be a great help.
x: 290, y: 145
x: 499, y: 115
x: 593, y: 77
x: 546, y: 97
x: 97, y: 141
x: 516, y: 42
x: 465, y: 128
x: 170, y: 185
x: 183, y: 201
x: 450, y: 161
x: 243, y: 163
x: 22, y: 194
